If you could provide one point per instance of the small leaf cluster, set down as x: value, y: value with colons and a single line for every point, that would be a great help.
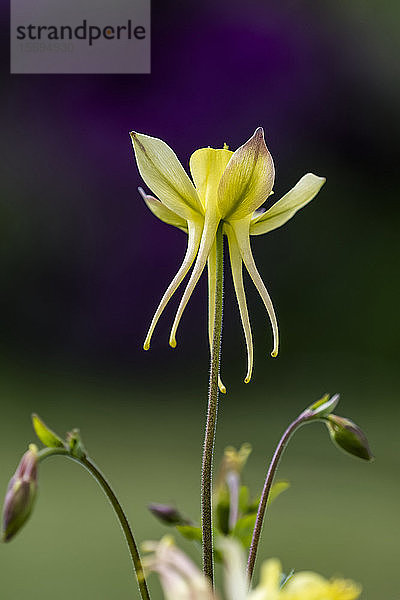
x: 72, y: 443
x: 230, y: 494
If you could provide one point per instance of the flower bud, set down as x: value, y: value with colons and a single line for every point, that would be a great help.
x: 349, y: 437
x: 167, y: 514
x: 21, y: 494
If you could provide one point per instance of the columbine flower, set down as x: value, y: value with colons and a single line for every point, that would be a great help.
x: 229, y: 187
x: 182, y: 580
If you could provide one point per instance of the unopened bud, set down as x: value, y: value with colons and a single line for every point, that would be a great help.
x: 21, y: 494
x: 168, y: 515
x: 349, y: 437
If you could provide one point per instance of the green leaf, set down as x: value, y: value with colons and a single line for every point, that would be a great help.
x: 244, y: 495
x: 75, y: 444
x: 243, y: 529
x: 222, y: 514
x: 46, y: 435
x: 194, y: 534
x: 218, y: 556
x: 190, y: 532
x: 277, y: 489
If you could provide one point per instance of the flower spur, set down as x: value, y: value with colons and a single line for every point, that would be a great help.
x: 227, y: 187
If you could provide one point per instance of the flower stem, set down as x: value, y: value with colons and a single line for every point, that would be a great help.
x: 209, y: 439
x: 123, y: 521
x: 267, y: 489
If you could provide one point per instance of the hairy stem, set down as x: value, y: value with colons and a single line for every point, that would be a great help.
x: 266, y: 491
x: 123, y: 521
x: 209, y: 439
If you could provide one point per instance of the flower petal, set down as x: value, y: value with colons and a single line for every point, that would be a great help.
x: 247, y: 180
x: 241, y: 230
x: 179, y: 576
x: 283, y: 210
x: 236, y: 583
x: 162, y: 212
x: 212, y: 284
x: 195, y: 231
x: 165, y: 176
x: 206, y: 167
x: 307, y: 584
x: 345, y: 589
x: 237, y: 275
x: 270, y: 578
x: 207, y: 240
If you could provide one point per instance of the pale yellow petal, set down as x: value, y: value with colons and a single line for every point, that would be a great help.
x: 283, y: 210
x: 162, y: 212
x: 270, y: 578
x: 345, y: 589
x: 241, y: 230
x: 212, y: 284
x: 235, y: 579
x: 165, y: 176
x: 247, y: 180
x: 311, y: 586
x: 237, y: 276
x: 195, y: 231
x: 207, y: 240
x: 180, y: 578
x: 206, y: 167
x: 306, y: 585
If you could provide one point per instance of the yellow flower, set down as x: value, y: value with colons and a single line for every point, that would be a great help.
x: 229, y: 187
x: 182, y: 580
x: 306, y: 585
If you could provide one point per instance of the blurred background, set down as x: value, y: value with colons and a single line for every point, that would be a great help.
x: 84, y: 264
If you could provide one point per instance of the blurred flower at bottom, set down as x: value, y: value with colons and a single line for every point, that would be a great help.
x: 181, y: 579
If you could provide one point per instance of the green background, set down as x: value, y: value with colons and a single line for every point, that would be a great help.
x: 83, y: 265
